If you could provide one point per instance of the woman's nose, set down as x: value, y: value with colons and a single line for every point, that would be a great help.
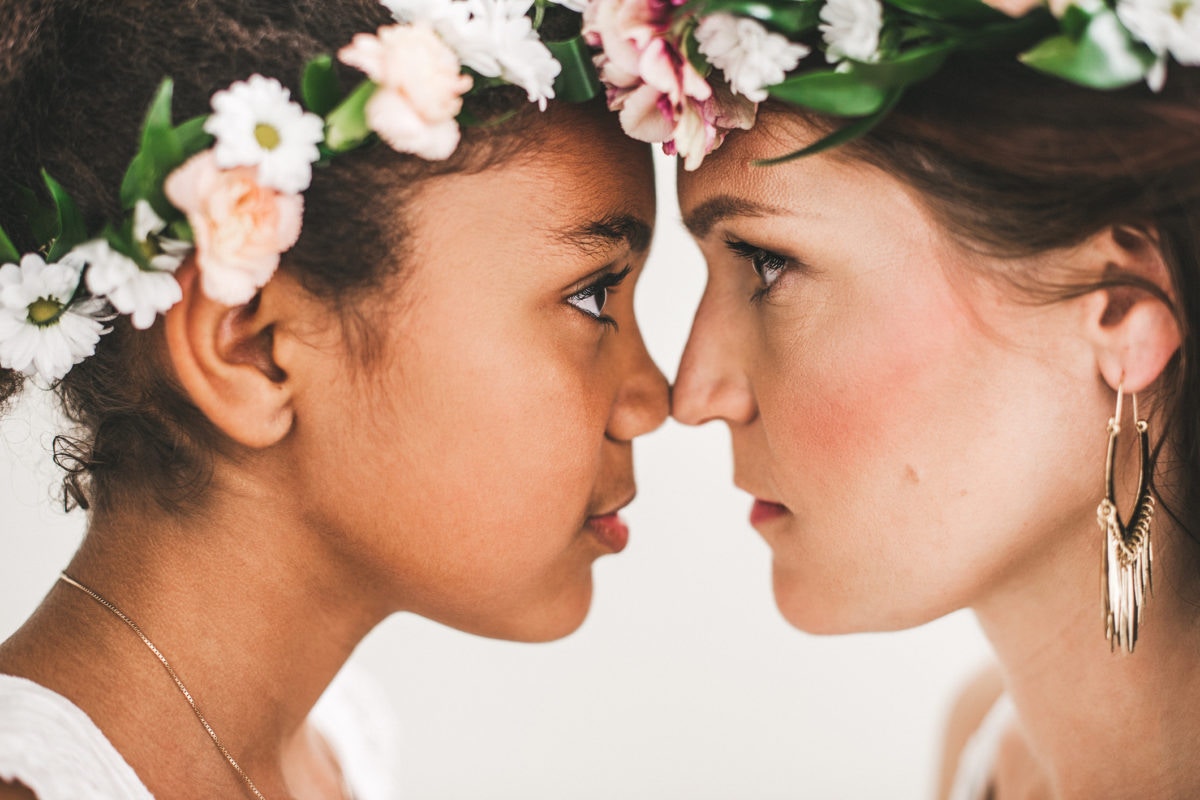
x: 712, y: 381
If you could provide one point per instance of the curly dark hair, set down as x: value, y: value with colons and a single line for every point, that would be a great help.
x: 75, y: 79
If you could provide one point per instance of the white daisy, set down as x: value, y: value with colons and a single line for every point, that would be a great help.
x: 851, y: 29
x: 496, y: 39
x: 164, y: 253
x: 142, y: 294
x: 1168, y: 28
x: 41, y: 331
x: 257, y: 124
x: 751, y: 56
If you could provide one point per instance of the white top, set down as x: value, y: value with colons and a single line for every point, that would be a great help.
x: 976, y: 765
x: 51, y: 746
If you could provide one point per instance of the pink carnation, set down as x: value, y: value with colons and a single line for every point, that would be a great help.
x: 240, y: 227
x: 420, y: 88
x: 658, y: 93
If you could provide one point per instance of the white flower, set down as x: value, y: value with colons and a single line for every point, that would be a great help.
x: 142, y: 294
x: 41, y: 331
x: 496, y: 39
x: 1168, y: 28
x: 413, y: 11
x: 851, y: 29
x: 751, y: 57
x: 257, y: 124
x: 165, y: 253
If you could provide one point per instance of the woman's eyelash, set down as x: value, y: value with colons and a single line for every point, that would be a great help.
x: 598, y: 292
x: 766, y: 264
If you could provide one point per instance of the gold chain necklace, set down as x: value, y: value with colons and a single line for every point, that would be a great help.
x: 65, y: 578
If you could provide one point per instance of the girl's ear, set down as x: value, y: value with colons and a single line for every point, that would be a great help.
x: 1133, y: 329
x: 225, y: 359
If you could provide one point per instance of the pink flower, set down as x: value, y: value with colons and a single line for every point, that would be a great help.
x: 240, y: 227
x: 1019, y: 8
x: 420, y: 88
x: 659, y: 95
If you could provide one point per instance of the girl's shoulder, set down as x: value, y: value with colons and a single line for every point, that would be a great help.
x: 50, y: 745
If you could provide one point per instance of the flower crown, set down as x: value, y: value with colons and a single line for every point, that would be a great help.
x: 686, y: 72
x: 227, y: 187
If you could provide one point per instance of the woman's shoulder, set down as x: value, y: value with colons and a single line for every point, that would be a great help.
x: 977, y: 698
x: 50, y: 745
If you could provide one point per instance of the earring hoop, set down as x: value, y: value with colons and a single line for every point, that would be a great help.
x: 1128, y: 553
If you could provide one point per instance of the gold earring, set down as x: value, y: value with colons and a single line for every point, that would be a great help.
x: 1128, y: 555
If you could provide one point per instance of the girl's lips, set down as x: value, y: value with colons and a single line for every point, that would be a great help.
x: 765, y: 511
x: 610, y: 530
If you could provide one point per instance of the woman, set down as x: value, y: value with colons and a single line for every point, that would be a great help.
x: 918, y: 339
x: 274, y: 461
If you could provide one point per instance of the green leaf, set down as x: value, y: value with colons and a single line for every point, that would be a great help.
x: 840, y: 136
x: 948, y: 10
x: 192, y: 137
x: 43, y: 222
x: 790, y: 16
x: 907, y: 68
x: 1104, y: 57
x: 160, y: 152
x: 346, y: 126
x: 319, y: 86
x: 577, y: 82
x: 843, y: 94
x: 69, y: 230
x: 9, y: 254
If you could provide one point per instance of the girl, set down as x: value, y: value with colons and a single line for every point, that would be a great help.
x: 323, y: 392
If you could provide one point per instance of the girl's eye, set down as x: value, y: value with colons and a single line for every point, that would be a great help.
x: 590, y: 301
x: 592, y: 298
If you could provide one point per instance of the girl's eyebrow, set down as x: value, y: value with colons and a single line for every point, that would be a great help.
x: 601, y: 234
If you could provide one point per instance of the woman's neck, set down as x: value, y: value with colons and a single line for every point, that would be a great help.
x: 1103, y: 724
x: 252, y: 611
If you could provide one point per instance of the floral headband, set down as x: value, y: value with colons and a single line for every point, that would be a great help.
x: 227, y: 187
x: 686, y: 72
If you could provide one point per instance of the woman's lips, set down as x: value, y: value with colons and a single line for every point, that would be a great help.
x: 765, y: 511
x: 610, y: 530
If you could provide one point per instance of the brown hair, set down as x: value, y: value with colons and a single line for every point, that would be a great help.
x: 75, y: 79
x: 1015, y: 163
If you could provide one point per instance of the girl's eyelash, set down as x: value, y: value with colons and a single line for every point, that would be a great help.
x: 603, y: 283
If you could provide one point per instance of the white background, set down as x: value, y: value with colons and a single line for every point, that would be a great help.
x: 683, y: 683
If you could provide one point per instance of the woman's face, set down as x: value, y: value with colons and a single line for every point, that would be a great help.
x: 914, y: 435
x: 474, y: 471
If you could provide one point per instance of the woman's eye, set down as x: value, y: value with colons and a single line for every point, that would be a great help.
x: 767, y: 266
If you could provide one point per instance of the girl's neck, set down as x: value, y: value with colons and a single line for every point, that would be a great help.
x: 252, y: 613
x: 1103, y: 724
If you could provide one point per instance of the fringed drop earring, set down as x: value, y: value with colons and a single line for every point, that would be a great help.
x: 1128, y: 555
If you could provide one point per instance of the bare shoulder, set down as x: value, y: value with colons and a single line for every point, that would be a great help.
x: 971, y: 705
x: 15, y: 791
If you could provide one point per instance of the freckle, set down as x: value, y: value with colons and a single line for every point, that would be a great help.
x: 910, y: 474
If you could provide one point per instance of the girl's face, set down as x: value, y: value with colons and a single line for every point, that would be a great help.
x: 914, y: 434
x: 474, y: 471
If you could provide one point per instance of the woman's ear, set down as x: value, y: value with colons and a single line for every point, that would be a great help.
x: 1133, y: 329
x: 224, y: 358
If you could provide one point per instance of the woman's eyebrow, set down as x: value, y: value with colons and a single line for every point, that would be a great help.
x: 601, y: 234
x: 701, y: 220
